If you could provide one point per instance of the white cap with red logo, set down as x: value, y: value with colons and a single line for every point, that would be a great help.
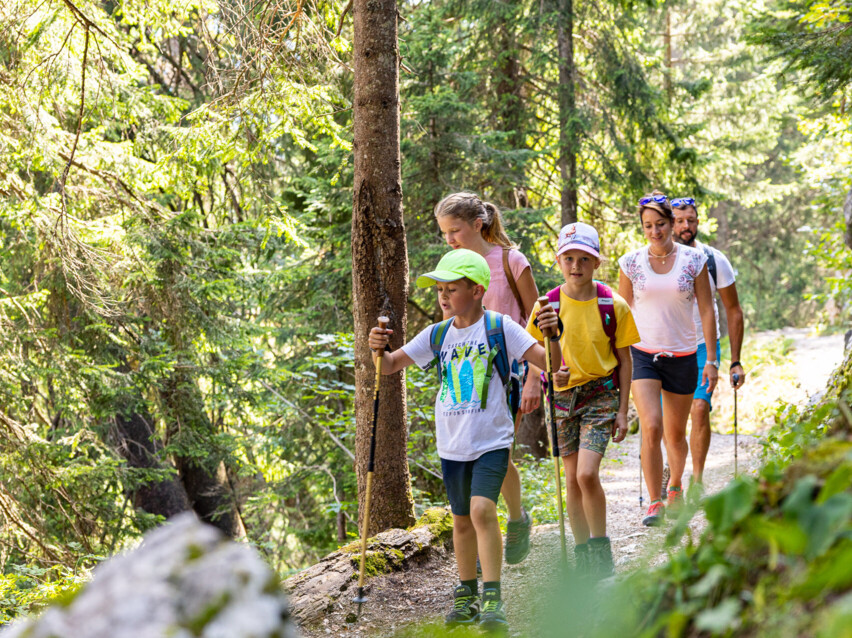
x: 579, y: 236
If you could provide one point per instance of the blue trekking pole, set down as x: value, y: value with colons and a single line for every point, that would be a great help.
x: 735, y: 378
x: 371, y: 466
x: 551, y: 422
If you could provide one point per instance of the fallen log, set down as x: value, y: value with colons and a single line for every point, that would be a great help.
x: 315, y: 591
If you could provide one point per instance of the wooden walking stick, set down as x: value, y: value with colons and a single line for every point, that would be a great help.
x: 554, y: 440
x: 365, y: 527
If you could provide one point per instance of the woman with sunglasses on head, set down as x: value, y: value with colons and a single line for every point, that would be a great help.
x: 660, y: 282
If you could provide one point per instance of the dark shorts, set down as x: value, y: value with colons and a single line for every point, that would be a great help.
x: 480, y: 477
x: 679, y: 375
x: 589, y: 426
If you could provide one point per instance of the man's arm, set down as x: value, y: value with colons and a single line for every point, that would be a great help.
x: 736, y: 330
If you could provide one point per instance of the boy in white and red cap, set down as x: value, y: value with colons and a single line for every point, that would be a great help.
x: 592, y: 387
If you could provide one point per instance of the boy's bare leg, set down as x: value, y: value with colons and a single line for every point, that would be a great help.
x: 675, y: 413
x: 574, y: 501
x: 464, y: 546
x: 489, y: 540
x: 646, y: 396
x: 511, y: 491
x: 511, y: 488
x: 594, y: 500
x: 699, y: 438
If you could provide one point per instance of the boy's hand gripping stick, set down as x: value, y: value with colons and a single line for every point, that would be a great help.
x: 365, y: 526
x: 543, y: 302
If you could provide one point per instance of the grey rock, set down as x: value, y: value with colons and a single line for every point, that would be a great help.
x: 185, y: 580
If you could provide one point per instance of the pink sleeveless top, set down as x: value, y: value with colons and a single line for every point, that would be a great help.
x: 499, y: 295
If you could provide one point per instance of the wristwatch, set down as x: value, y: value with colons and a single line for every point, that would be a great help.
x: 715, y: 364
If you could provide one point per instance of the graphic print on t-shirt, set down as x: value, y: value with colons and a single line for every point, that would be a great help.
x: 463, y: 376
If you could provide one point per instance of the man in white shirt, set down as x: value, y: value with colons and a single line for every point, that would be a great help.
x: 722, y: 279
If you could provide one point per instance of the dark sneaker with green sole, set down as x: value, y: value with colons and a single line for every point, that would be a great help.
x: 465, y: 607
x: 581, y: 559
x: 600, y: 557
x: 518, y: 539
x: 492, y: 618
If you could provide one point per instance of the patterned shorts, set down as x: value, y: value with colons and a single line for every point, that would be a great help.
x: 590, y: 426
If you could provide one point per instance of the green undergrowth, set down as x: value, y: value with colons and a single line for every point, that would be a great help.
x: 27, y: 589
x: 773, y: 560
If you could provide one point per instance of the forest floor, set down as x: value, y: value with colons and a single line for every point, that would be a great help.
x: 799, y: 369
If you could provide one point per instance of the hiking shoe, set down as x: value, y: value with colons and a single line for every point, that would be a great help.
x: 492, y: 618
x: 581, y: 559
x: 674, y: 502
x: 600, y: 557
x: 518, y: 539
x: 695, y: 493
x: 667, y: 474
x: 465, y: 607
x: 655, y: 514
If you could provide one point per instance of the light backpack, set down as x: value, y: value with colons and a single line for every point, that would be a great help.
x: 497, y: 357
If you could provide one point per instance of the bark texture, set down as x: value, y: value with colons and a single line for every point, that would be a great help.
x: 379, y: 259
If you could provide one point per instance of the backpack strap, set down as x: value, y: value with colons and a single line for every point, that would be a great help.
x: 436, y: 340
x: 497, y: 354
x: 606, y: 309
x: 711, y: 263
x: 510, y: 277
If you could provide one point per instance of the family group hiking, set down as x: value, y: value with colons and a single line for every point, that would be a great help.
x: 587, y: 349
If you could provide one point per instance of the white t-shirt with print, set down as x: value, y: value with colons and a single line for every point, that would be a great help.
x: 726, y: 277
x: 662, y: 304
x: 464, y: 431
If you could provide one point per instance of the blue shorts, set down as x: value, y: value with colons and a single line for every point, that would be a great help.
x: 701, y: 390
x: 480, y: 477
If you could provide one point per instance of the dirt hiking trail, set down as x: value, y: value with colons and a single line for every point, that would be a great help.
x: 424, y: 593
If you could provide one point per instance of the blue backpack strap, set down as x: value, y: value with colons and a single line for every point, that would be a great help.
x: 497, y: 354
x: 436, y: 340
x: 606, y: 309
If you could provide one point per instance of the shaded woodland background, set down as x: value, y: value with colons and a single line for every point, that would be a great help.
x: 176, y: 209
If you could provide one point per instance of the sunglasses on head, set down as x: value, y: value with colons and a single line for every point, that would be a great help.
x: 682, y: 202
x: 659, y: 199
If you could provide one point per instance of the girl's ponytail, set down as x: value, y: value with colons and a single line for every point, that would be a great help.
x: 468, y: 207
x: 493, y: 230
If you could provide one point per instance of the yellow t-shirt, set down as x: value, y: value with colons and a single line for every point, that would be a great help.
x: 585, y: 346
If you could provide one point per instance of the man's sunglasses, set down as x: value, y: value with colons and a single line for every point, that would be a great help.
x: 654, y: 198
x: 682, y: 202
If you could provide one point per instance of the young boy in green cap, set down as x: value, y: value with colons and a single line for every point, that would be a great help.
x: 474, y: 426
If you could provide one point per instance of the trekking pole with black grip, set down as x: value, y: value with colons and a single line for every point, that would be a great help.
x: 554, y: 440
x: 365, y: 526
x: 735, y: 378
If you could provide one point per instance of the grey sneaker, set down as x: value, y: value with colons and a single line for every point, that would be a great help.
x: 518, y: 539
x: 600, y: 557
x: 465, y: 607
x: 581, y: 559
x: 493, y: 618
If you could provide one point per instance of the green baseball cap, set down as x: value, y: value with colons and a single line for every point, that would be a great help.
x: 458, y: 264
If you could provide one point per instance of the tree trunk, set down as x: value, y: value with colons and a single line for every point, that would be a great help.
x: 568, y: 121
x: 201, y: 468
x: 136, y: 442
x: 847, y: 216
x: 379, y: 260
x: 532, y: 435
